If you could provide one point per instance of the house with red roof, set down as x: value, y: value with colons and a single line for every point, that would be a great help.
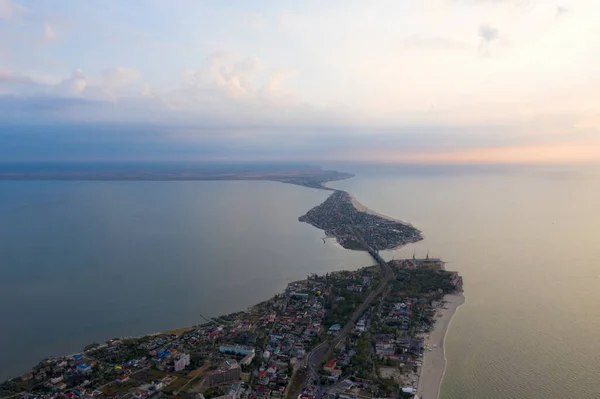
x: 330, y: 366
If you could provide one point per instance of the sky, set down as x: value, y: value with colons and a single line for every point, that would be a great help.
x: 417, y: 81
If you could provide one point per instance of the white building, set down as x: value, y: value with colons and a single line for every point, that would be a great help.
x: 182, y: 362
x: 57, y: 379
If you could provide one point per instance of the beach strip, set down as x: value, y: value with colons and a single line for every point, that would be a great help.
x: 434, y: 361
x: 361, y: 208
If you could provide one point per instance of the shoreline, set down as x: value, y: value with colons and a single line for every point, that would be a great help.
x: 434, y: 363
x: 362, y: 208
x: 355, y: 226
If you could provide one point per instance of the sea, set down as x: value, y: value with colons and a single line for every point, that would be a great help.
x: 88, y: 261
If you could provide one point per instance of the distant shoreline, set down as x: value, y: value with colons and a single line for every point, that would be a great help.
x: 434, y: 362
x: 306, y: 176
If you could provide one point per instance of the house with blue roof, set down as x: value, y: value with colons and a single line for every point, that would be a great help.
x: 84, y: 368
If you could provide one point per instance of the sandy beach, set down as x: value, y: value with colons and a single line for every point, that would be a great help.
x: 434, y: 362
x: 361, y: 208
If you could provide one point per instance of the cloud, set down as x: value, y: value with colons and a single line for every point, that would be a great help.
x: 116, y: 79
x: 520, y: 4
x: 7, y: 75
x: 14, y: 83
x: 255, y: 21
x: 10, y: 104
x: 107, y: 88
x: 488, y: 35
x: 227, y: 89
x: 234, y: 77
x: 49, y: 32
x: 435, y: 43
x: 119, y: 76
x: 6, y: 9
x: 36, y: 109
x: 560, y: 11
x: 146, y: 90
x: 73, y: 86
x: 229, y: 83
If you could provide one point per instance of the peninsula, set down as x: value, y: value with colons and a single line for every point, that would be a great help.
x: 339, y: 217
x: 371, y: 333
x: 375, y: 351
x: 303, y: 175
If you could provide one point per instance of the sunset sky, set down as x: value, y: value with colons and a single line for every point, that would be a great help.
x: 423, y: 81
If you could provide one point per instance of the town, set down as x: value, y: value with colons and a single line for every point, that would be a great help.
x: 339, y: 218
x: 305, y: 343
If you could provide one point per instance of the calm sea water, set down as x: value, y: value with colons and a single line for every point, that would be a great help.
x: 85, y: 261
x: 527, y: 245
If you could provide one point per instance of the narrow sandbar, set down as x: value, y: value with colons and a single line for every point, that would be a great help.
x: 434, y: 361
x: 361, y: 208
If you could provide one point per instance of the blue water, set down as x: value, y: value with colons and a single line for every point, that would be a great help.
x: 88, y: 261
x: 84, y: 261
x: 526, y: 244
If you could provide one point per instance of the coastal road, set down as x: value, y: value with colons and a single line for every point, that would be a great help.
x: 321, y: 351
x: 317, y: 355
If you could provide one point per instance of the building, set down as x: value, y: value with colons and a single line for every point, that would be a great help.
x: 182, y: 362
x: 335, y: 328
x: 247, y: 359
x: 236, y: 349
x: 312, y: 330
x: 416, y: 346
x: 295, y: 294
x: 56, y: 379
x: 330, y: 366
x: 360, y: 325
x: 84, y: 368
x: 434, y: 263
x: 235, y: 390
x: 230, y: 372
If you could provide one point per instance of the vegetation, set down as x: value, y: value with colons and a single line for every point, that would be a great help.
x: 91, y: 346
x: 362, y: 360
x: 213, y: 393
x: 296, y: 383
x: 422, y: 282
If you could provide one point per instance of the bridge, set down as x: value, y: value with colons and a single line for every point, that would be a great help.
x: 325, y: 349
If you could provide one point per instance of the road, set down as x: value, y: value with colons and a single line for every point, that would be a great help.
x: 321, y: 351
x: 316, y: 356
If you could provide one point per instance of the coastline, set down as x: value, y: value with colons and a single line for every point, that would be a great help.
x: 361, y: 208
x: 434, y: 361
